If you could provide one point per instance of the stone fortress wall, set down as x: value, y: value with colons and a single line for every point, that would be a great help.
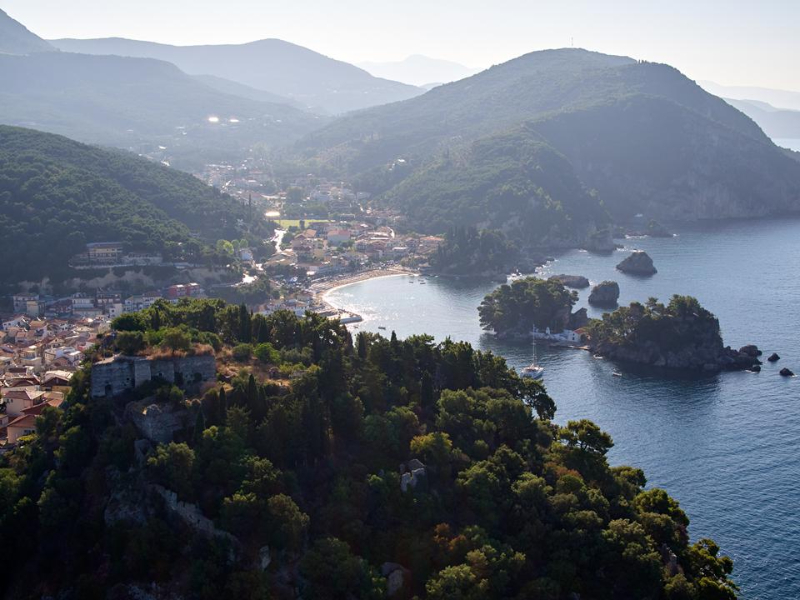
x: 116, y: 375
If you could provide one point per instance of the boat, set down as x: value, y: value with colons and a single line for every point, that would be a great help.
x: 597, y: 356
x: 616, y: 374
x: 381, y: 327
x: 422, y: 282
x: 533, y: 371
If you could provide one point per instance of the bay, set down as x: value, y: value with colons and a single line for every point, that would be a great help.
x: 726, y: 445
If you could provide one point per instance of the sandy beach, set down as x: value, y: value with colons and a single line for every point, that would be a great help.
x: 323, y: 287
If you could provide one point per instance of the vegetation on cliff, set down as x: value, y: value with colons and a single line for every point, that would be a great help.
x: 681, y: 334
x: 469, y: 252
x: 513, y: 309
x: 297, y: 482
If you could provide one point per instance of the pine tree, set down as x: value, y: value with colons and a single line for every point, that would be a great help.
x: 245, y: 325
x: 362, y: 345
x: 223, y: 404
x: 199, y: 427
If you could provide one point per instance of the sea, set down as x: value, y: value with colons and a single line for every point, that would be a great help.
x: 726, y: 446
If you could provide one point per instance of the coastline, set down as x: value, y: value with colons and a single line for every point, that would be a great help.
x: 323, y: 288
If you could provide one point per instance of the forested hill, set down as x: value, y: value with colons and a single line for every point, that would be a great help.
x: 57, y: 194
x: 626, y: 129
x: 327, y: 470
x: 133, y: 102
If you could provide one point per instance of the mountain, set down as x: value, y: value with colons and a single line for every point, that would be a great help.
x: 637, y: 137
x: 244, y: 91
x: 139, y: 104
x: 16, y: 39
x: 57, y: 194
x: 786, y: 99
x: 776, y: 122
x: 419, y: 70
x: 275, y: 66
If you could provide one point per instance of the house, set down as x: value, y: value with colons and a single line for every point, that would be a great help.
x: 53, y: 379
x: 104, y: 252
x: 189, y: 290
x: 21, y: 301
x: 19, y: 427
x: 18, y: 322
x: 71, y: 355
x: 338, y: 236
x: 17, y: 400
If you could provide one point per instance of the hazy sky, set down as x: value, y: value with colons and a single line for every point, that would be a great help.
x: 734, y: 42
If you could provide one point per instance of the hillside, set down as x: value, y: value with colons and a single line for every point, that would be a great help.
x: 275, y: 66
x: 623, y: 128
x: 511, y: 181
x: 385, y: 468
x: 56, y: 195
x: 245, y: 91
x: 16, y: 39
x: 139, y: 104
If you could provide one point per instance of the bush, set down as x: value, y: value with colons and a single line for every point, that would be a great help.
x: 266, y: 353
x: 242, y: 352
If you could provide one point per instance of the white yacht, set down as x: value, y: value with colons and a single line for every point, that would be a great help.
x: 533, y: 371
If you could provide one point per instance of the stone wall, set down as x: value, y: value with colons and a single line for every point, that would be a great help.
x: 116, y: 375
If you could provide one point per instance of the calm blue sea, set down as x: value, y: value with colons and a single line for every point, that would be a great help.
x: 726, y: 446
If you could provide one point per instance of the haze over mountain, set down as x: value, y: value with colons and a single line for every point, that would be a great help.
x: 777, y: 98
x: 136, y: 103
x: 419, y: 70
x: 642, y: 135
x: 16, y: 39
x: 279, y: 67
x: 776, y: 122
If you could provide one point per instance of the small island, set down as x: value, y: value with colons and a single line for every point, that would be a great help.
x: 679, y: 335
x: 605, y: 294
x: 513, y: 310
x: 638, y: 263
x: 577, y: 282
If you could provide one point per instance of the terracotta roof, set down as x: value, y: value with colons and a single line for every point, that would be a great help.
x: 23, y: 422
x: 24, y: 394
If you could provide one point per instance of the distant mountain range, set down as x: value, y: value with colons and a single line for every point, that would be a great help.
x: 780, y: 99
x: 419, y: 70
x: 16, y: 39
x: 552, y: 139
x: 139, y: 103
x: 776, y: 122
x: 302, y: 75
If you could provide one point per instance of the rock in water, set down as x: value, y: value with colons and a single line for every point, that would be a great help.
x: 638, y: 263
x: 656, y: 229
x: 786, y: 372
x: 572, y: 281
x: 774, y: 357
x: 605, y: 294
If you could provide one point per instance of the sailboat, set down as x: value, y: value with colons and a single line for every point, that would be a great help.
x: 533, y: 371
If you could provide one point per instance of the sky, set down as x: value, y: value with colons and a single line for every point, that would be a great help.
x: 731, y: 42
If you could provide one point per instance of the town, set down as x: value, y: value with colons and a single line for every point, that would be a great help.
x: 332, y: 240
